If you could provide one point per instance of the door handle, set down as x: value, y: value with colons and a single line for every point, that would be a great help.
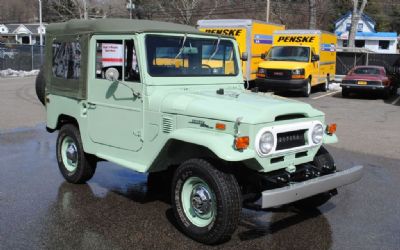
x: 91, y: 105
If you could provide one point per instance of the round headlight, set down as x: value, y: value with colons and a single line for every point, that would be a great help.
x: 317, y: 134
x: 266, y: 142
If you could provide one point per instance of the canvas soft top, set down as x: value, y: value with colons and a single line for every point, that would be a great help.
x: 117, y: 25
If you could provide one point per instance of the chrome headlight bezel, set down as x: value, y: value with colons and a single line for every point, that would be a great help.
x: 317, y: 134
x: 266, y: 142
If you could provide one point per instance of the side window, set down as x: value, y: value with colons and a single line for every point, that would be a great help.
x: 117, y: 54
x: 131, y: 64
x: 66, y: 60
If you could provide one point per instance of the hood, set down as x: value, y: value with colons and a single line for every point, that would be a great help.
x: 254, y: 108
x: 282, y: 65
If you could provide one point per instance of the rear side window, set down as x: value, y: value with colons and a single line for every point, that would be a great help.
x: 66, y: 60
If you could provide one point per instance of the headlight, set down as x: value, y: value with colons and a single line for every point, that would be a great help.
x: 266, y: 142
x: 317, y: 134
x: 298, y: 72
x: 261, y: 71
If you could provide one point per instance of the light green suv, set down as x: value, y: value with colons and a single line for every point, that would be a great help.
x: 167, y: 100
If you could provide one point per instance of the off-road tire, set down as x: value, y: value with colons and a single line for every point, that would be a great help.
x: 324, y: 162
x: 227, y: 198
x: 40, y: 86
x: 85, y: 164
x: 307, y: 88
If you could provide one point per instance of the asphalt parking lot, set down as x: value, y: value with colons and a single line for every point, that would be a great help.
x: 39, y: 210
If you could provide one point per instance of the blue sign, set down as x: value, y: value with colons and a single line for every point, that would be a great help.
x: 262, y: 39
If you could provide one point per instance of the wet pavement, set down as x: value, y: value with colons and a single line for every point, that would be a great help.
x: 39, y: 210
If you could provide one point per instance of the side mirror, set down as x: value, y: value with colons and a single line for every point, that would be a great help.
x: 244, y: 56
x: 263, y: 56
x: 314, y: 58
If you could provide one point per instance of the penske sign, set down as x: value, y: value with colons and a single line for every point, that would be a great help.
x: 296, y: 39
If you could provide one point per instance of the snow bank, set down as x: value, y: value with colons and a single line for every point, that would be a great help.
x: 18, y: 73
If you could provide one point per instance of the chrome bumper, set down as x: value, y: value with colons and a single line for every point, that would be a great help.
x: 298, y: 191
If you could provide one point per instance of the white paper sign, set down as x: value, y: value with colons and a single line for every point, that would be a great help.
x: 112, y: 54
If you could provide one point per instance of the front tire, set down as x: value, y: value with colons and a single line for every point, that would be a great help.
x: 75, y: 165
x: 307, y: 88
x: 325, y: 86
x: 206, y: 202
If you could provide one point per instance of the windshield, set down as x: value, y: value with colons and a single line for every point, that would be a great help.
x: 187, y: 56
x: 366, y: 71
x: 288, y: 53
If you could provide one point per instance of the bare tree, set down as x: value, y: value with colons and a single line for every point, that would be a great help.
x: 62, y: 10
x: 355, y: 18
x: 312, y: 6
x: 186, y: 11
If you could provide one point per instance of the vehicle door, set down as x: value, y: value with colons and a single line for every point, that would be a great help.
x: 314, y: 68
x: 115, y: 111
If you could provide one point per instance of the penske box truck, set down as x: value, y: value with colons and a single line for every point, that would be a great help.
x: 253, y: 37
x: 298, y: 60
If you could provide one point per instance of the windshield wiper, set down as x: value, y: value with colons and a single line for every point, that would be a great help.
x: 216, y: 49
x: 183, y: 46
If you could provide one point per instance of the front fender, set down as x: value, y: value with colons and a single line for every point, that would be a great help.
x: 328, y: 139
x: 222, y: 145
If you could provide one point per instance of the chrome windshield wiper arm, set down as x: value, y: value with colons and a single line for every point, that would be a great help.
x: 183, y: 46
x: 216, y: 49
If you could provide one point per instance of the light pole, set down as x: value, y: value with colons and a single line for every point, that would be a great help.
x: 130, y: 6
x: 40, y: 33
x: 40, y: 23
x: 267, y: 10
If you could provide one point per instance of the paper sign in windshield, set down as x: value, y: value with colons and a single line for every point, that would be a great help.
x: 112, y: 54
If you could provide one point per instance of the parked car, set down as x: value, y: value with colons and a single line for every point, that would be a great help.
x: 369, y: 78
x: 118, y: 95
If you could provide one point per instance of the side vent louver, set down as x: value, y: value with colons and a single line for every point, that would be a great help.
x: 167, y: 125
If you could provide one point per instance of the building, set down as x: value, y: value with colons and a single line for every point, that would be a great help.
x: 366, y: 37
x: 22, y: 33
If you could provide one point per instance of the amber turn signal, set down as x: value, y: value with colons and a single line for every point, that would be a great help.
x: 242, y: 142
x: 297, y: 76
x: 331, y: 128
x: 220, y: 126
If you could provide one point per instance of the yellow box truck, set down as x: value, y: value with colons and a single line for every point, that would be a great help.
x: 298, y: 60
x: 253, y: 37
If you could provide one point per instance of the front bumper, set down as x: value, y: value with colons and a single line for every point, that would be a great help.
x: 275, y: 84
x: 363, y: 87
x: 302, y: 190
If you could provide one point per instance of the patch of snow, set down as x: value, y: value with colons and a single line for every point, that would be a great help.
x: 18, y: 73
x: 334, y: 86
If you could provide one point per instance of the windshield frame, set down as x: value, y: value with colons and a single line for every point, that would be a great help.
x: 189, y: 36
x: 267, y: 58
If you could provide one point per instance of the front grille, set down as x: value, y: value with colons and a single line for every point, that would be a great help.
x: 280, y: 74
x: 291, y: 139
